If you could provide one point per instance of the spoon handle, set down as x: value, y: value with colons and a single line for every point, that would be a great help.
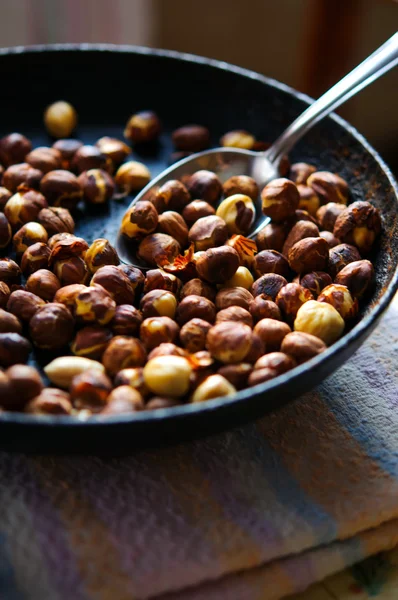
x: 378, y: 63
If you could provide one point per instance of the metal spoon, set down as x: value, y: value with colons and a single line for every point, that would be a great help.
x: 263, y: 166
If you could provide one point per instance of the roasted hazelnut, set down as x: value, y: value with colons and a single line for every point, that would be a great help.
x: 229, y: 342
x: 299, y: 231
x: 94, y: 305
x: 158, y: 249
x: 123, y: 400
x: 241, y: 184
x: 359, y: 225
x: 157, y: 330
x: 205, y: 185
x: 116, y: 283
x: 218, y: 265
x: 60, y: 237
x: 238, y: 212
x: 135, y: 277
x: 167, y: 349
x: 63, y: 369
x: 290, y: 298
x: 320, y: 319
x: 235, y: 313
x: 61, y: 188
x: 340, y: 256
x: 192, y: 307
x: 134, y: 377
x: 158, y: 303
x: 24, y: 304
x: 245, y: 248
x: 50, y: 401
x: 302, y: 346
x: 268, y: 285
x: 197, y: 287
x: 115, y: 149
x: 208, y: 232
x: 157, y: 279
x: 238, y: 138
x: 24, y: 383
x: 193, y: 334
x: 315, y: 282
x: 66, y: 295
x: 143, y: 127
x: 301, y: 215
x: 172, y: 195
x: 173, y: 224
x: 10, y: 273
x: 90, y: 390
x: 90, y: 157
x: 309, y: 254
x: 127, y: 320
x: 158, y: 402
x: 168, y: 375
x: 280, y: 198
x: 4, y: 294
x: 236, y: 296
x: 45, y: 159
x: 44, y: 284
x: 51, y: 326
x: 132, y: 176
x: 5, y: 231
x: 27, y: 235
x: 328, y: 213
x: 261, y: 308
x: 5, y: 195
x: 56, y: 220
x: 14, y: 349
x: 358, y: 276
x: 60, y: 119
x: 9, y: 323
x: 309, y: 201
x: 191, y: 138
x: 237, y: 375
x: 68, y: 149
x: 67, y: 246
x: 332, y: 241
x: 242, y: 278
x: 214, y: 386
x: 14, y: 148
x: 97, y: 186
x: 195, y: 210
x: 140, y: 220
x: 269, y: 366
x: 329, y: 187
x: 91, y: 342
x: 24, y: 206
x: 272, y: 333
x: 99, y: 254
x: 123, y: 352
x: 340, y: 297
x: 21, y: 174
x: 299, y: 172
x: 270, y: 261
x: 71, y: 270
x: 34, y: 258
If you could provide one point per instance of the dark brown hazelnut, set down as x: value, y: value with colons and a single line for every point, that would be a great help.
x: 61, y: 188
x: 5, y: 231
x: 309, y: 201
x: 299, y: 231
x: 236, y: 374
x: 143, y: 127
x: 309, y: 254
x: 14, y: 148
x: 268, y: 285
x: 340, y: 256
x: 218, y: 265
x: 134, y: 377
x: 245, y: 248
x: 97, y: 186
x: 5, y: 195
x: 127, y: 320
x: 45, y: 159
x: 22, y: 174
x: 116, y: 283
x: 195, y: 210
x: 90, y: 390
x: 192, y: 307
x: 359, y: 225
x: 158, y: 303
x: 197, y: 287
x: 135, y: 277
x: 71, y: 270
x: 90, y: 157
x: 172, y: 195
x: 99, y: 254
x: 191, y: 138
x: 208, y: 232
x: 193, y: 334
x: 339, y: 296
x: 315, y: 282
x: 56, y: 220
x: 358, y: 276
x: 272, y: 237
x: 329, y: 187
x: 157, y: 279
x: 299, y: 172
x: 269, y: 366
x: 115, y: 149
x: 270, y: 261
x: 9, y: 323
x: 272, y: 333
x: 34, y: 258
x: 60, y: 237
x: 14, y: 349
x: 44, y: 284
x: 157, y: 402
x: 235, y: 313
x: 332, y: 241
x: 302, y: 346
x: 301, y: 215
x: 4, y: 294
x: 27, y: 235
x: 229, y: 342
x: 257, y: 349
x: 173, y: 224
x: 235, y: 296
x: 68, y: 149
x: 24, y: 383
x: 66, y: 295
x: 123, y: 400
x: 91, y: 342
x: 262, y: 308
x: 167, y: 349
x: 158, y: 249
x: 50, y: 401
x: 241, y: 184
x: 123, y: 352
x: 238, y: 138
x: 328, y: 213
x: 24, y: 206
x: 205, y: 185
x: 10, y: 273
x: 66, y: 247
x: 132, y: 176
x: 280, y: 198
x: 157, y: 330
x: 24, y: 304
x: 290, y: 298
x: 51, y: 326
x: 94, y: 305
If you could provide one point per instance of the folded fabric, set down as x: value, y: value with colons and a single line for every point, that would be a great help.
x: 255, y: 513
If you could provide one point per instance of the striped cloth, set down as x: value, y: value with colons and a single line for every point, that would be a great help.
x: 256, y: 513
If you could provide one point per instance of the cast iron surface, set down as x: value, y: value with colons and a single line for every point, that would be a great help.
x: 107, y: 84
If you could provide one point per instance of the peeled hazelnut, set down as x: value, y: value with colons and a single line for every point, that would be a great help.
x: 242, y: 278
x: 299, y: 172
x: 24, y: 304
x: 5, y: 195
x: 9, y: 323
x: 299, y: 231
x: 229, y: 342
x: 4, y: 294
x: 272, y: 333
x: 71, y: 270
x: 116, y: 283
x: 218, y: 265
x: 97, y: 186
x: 134, y: 377
x: 191, y: 138
x: 328, y: 213
x: 340, y: 256
x: 34, y: 258
x: 143, y: 127
x: 329, y: 187
x: 21, y: 174
x: 270, y: 261
x: 66, y: 295
x: 99, y: 254
x: 123, y: 400
x: 50, y: 401
x: 13, y: 349
x: 245, y: 248
x: 51, y: 326
x: 241, y: 184
x: 13, y: 149
x: 309, y: 254
x: 233, y: 297
x: 132, y: 176
x: 60, y: 119
x: 196, y: 210
x: 332, y: 241
x: 290, y: 298
x: 272, y: 237
x: 68, y: 149
x: 45, y: 159
x: 320, y: 319
x: 261, y: 308
x: 94, y: 305
x: 168, y: 375
x: 61, y: 188
x: 340, y: 297
x: 238, y: 212
x: 158, y: 303
x: 158, y: 402
x: 235, y: 313
x: 123, y: 352
x: 238, y: 138
x: 192, y: 307
x: 173, y: 224
x: 5, y: 231
x: 205, y: 185
x: 10, y: 273
x: 309, y: 201
x: 268, y: 285
x: 302, y: 346
x: 158, y: 249
x: 56, y: 220
x: 115, y: 149
x: 197, y: 287
x: 90, y: 390
x: 27, y: 235
x: 127, y: 320
x: 359, y: 225
x: 358, y: 276
x: 237, y: 374
x: 208, y: 232
x: 214, y: 386
x: 24, y: 206
x: 172, y: 195
x: 157, y: 330
x: 90, y: 157
x: 280, y: 198
x: 62, y: 370
x: 193, y: 334
x: 91, y: 342
x: 315, y: 282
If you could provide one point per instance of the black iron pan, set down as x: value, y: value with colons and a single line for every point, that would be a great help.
x: 107, y: 84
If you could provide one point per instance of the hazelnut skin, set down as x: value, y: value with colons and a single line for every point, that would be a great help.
x: 299, y: 172
x: 61, y: 188
x: 21, y: 174
x: 157, y: 330
x: 4, y: 294
x: 268, y: 285
x: 168, y: 375
x: 302, y: 346
x: 261, y: 308
x: 241, y: 184
x: 132, y: 176
x: 320, y: 319
x: 237, y: 375
x: 24, y: 305
x: 329, y: 187
x: 238, y: 212
x: 99, y: 254
x: 91, y: 342
x: 5, y: 195
x: 208, y: 232
x: 158, y: 249
x: 143, y: 127
x: 340, y: 256
x: 5, y: 231
x: 197, y: 287
x: 135, y: 277
x: 192, y: 307
x: 309, y: 201
x: 235, y: 313
x: 358, y: 276
x: 359, y: 225
x: 299, y: 231
x: 35, y: 258
x: 173, y: 224
x: 195, y: 210
x: 123, y: 400
x: 56, y: 220
x: 50, y: 401
x: 127, y: 320
x: 14, y: 349
x: 205, y: 185
x: 68, y: 149
x: 116, y: 283
x: 309, y: 254
x: 60, y: 119
x: 90, y: 157
x: 290, y: 298
x: 233, y: 297
x: 193, y: 334
x: 51, y: 326
x: 44, y: 159
x: 329, y: 237
x: 115, y: 149
x: 172, y: 195
x: 272, y: 237
x: 238, y: 138
x: 245, y: 248
x: 13, y: 149
x: 218, y: 265
x: 158, y: 303
x: 94, y: 305
x: 27, y: 235
x: 71, y: 270
x: 141, y: 219
x: 191, y: 138
x: 97, y: 186
x: 272, y: 333
x: 280, y: 198
x: 315, y: 282
x: 328, y: 213
x: 66, y: 295
x: 242, y: 278
x: 123, y: 352
x: 214, y: 386
x: 157, y: 279
x: 340, y: 297
x: 229, y: 342
x: 10, y: 273
x: 270, y: 261
x: 90, y: 390
x: 9, y: 323
x: 24, y: 206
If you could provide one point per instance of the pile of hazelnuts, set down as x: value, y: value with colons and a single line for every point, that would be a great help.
x: 215, y: 313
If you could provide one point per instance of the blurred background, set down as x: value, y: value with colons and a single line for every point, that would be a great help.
x: 308, y: 44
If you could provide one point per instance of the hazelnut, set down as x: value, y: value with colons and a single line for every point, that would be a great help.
x: 9, y: 323
x: 208, y: 232
x: 5, y: 231
x: 34, y: 258
x: 115, y: 149
x: 5, y: 195
x: 238, y: 138
x: 135, y: 277
x: 91, y: 342
x: 205, y: 185
x: 44, y: 159
x: 94, y: 305
x: 157, y: 279
x: 1, y: 173
x: 173, y: 224
x: 302, y: 346
x: 4, y: 294
x: 196, y: 210
x: 24, y: 383
x: 235, y: 313
x: 123, y: 352
x: 358, y: 276
x: 270, y: 366
x: 238, y: 212
x: 192, y: 307
x: 332, y: 241
x: 71, y: 270
x: 141, y: 219
x: 14, y: 349
x: 99, y: 254
x: 158, y: 402
x: 157, y: 330
x: 97, y: 186
x: 50, y: 401
x: 62, y: 370
x: 359, y: 225
x: 123, y: 400
x: 56, y: 220
x: 143, y: 127
x: 10, y: 273
x: 27, y: 235
x: 60, y: 119
x: 67, y: 246
x: 134, y: 377
x: 272, y: 333
x: 214, y: 386
x: 90, y: 390
x: 268, y: 285
x: 242, y: 278
x: 167, y: 349
x: 290, y: 298
x: 191, y: 138
x: 233, y: 297
x: 197, y: 287
x: 13, y: 149
x: 328, y: 213
x: 51, y: 326
x: 172, y: 195
x: 61, y: 188
x: 116, y: 283
x: 132, y: 176
x: 270, y: 261
x: 340, y: 297
x: 309, y: 201
x: 329, y: 187
x: 299, y: 172
x: 127, y: 320
x: 229, y: 342
x: 241, y: 184
x: 309, y: 254
x: 193, y: 334
x: 90, y: 157
x: 237, y: 375
x: 60, y: 237
x: 320, y: 319
x: 340, y: 256
x: 301, y: 215
x: 44, y: 284
x: 218, y: 265
x: 68, y: 149
x: 158, y: 249
x: 245, y: 248
x: 21, y: 174
x: 315, y: 282
x: 67, y: 295
x: 261, y: 308
x: 168, y: 375
x: 24, y: 304
x: 24, y: 206
x: 158, y: 303
x: 299, y: 231
x: 280, y: 198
